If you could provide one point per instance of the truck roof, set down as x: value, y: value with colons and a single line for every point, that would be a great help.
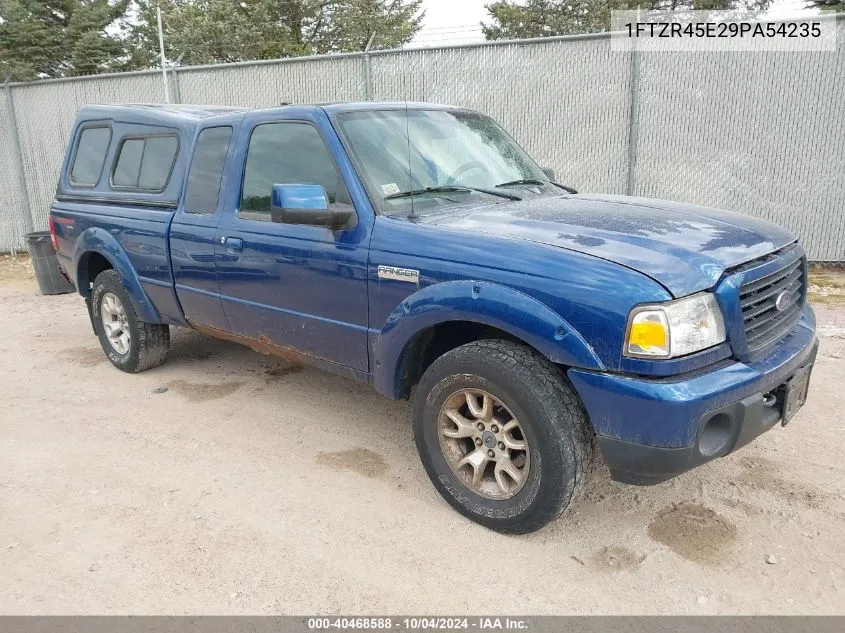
x: 159, y: 111
x: 194, y: 114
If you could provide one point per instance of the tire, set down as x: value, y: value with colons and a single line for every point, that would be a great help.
x: 530, y: 390
x: 147, y: 343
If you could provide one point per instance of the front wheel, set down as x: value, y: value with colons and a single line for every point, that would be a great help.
x: 502, y: 435
x: 130, y: 344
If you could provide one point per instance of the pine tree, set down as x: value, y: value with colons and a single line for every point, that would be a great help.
x: 210, y: 31
x: 350, y: 24
x: 90, y: 48
x: 56, y: 38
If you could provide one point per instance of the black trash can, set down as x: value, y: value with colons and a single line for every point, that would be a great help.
x: 46, y: 265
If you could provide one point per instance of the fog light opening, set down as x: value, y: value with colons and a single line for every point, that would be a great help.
x: 715, y: 435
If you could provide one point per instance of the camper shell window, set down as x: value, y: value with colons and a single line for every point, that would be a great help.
x: 89, y: 156
x: 144, y: 163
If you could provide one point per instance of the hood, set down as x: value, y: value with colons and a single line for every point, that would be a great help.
x: 684, y: 247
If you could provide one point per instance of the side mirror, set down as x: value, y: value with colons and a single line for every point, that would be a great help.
x: 550, y: 173
x: 306, y: 204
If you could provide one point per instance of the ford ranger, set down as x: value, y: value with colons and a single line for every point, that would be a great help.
x: 419, y: 249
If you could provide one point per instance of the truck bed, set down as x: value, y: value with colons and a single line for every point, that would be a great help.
x: 142, y: 234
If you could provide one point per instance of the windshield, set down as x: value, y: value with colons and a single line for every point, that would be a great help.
x: 418, y: 159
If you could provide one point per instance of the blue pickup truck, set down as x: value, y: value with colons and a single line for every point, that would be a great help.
x: 419, y: 249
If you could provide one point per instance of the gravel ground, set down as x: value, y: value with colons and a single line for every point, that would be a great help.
x: 255, y: 486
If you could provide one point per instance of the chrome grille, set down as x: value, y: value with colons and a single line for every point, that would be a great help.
x: 766, y: 321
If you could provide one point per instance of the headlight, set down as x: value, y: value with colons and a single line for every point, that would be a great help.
x: 675, y: 328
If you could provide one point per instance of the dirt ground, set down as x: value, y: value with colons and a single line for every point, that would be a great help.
x: 255, y: 486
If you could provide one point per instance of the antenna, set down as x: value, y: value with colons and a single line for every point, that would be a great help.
x: 412, y: 215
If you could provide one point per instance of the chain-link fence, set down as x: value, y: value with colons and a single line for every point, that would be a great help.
x: 758, y: 133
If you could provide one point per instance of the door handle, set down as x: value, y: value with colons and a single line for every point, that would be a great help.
x: 233, y: 243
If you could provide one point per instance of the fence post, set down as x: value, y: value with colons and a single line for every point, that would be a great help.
x: 633, y: 118
x: 177, y: 94
x: 18, y: 158
x: 368, y: 72
x: 368, y: 78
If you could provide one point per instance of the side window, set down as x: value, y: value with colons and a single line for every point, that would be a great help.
x: 128, y: 164
x: 286, y: 153
x: 91, y: 149
x: 145, y: 163
x: 203, y: 190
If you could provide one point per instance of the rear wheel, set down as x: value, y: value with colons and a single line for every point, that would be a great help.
x: 130, y: 344
x: 502, y: 435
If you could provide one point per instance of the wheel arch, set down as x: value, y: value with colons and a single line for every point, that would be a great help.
x: 444, y: 316
x: 97, y: 250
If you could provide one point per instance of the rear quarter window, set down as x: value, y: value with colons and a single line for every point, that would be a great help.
x: 89, y: 156
x: 203, y: 190
x: 145, y: 163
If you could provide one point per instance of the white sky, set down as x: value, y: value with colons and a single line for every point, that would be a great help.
x: 458, y: 21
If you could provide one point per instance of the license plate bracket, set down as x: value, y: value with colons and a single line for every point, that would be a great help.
x: 795, y: 393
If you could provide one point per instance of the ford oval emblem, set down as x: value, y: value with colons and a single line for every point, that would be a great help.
x: 783, y: 301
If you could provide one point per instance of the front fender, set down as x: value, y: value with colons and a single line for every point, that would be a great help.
x: 98, y: 240
x: 480, y: 302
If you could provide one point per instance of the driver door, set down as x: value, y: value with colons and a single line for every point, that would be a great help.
x: 298, y: 287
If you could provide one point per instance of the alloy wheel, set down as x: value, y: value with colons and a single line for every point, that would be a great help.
x: 484, y: 444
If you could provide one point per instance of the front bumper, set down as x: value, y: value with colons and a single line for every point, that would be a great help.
x: 650, y: 430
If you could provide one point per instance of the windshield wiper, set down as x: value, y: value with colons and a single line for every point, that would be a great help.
x: 450, y: 189
x: 565, y: 188
x: 535, y: 181
x: 522, y: 181
x: 417, y: 192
